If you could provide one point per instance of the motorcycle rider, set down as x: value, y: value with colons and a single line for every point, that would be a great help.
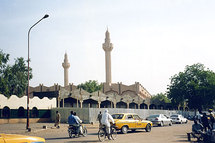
x: 105, y: 121
x: 74, y: 122
x: 79, y: 121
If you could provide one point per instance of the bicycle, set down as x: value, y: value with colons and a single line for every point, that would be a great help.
x: 102, y: 133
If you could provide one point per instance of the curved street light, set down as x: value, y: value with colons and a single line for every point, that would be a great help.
x: 27, y: 125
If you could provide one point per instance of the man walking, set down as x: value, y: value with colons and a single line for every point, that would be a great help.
x: 57, y: 120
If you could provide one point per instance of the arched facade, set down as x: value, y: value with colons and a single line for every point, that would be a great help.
x: 6, y: 112
x: 21, y: 112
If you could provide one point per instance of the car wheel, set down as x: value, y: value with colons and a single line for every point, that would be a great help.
x: 148, y: 128
x: 124, y: 129
x: 186, y: 121
x: 161, y: 124
x: 170, y: 124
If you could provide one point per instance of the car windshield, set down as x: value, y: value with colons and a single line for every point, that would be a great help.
x: 172, y: 116
x: 117, y: 116
x: 153, y: 116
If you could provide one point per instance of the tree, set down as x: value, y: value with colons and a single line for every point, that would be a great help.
x: 195, y: 86
x: 159, y: 99
x: 90, y: 86
x: 13, y: 79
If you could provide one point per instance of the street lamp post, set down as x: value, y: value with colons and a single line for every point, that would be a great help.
x: 27, y: 125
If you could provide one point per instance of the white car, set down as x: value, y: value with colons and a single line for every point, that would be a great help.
x: 160, y: 120
x: 177, y: 118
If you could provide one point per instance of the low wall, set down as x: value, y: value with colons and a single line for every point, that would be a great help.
x: 23, y: 120
x: 89, y: 115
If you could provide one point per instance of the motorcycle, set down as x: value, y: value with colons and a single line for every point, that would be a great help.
x: 72, y: 130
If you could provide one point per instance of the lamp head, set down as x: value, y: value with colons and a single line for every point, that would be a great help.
x: 46, y: 16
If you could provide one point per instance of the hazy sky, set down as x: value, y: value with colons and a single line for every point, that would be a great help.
x: 153, y: 39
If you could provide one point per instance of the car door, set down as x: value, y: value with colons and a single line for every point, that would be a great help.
x: 130, y: 121
x: 138, y: 121
x: 165, y: 119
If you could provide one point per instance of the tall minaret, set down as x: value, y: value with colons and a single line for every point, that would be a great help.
x: 107, y: 46
x: 66, y: 66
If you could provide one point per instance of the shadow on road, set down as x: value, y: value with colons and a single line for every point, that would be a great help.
x: 89, y: 141
x: 61, y: 138
x: 183, y: 138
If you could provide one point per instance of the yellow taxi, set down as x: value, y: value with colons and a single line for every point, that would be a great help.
x: 130, y: 121
x: 14, y: 138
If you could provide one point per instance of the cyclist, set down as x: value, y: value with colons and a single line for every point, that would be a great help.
x: 105, y: 121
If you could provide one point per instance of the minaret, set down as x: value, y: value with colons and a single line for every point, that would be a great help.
x: 66, y: 66
x: 107, y: 46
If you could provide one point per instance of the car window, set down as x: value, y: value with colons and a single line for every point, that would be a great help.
x: 117, y: 116
x: 165, y: 116
x: 136, y: 117
x: 129, y: 117
x: 153, y: 116
x: 174, y: 116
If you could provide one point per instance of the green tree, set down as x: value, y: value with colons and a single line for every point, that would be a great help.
x: 13, y: 78
x: 196, y: 86
x: 159, y: 99
x: 90, y: 86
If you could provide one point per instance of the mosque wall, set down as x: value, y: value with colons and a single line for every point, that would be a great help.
x: 15, y: 102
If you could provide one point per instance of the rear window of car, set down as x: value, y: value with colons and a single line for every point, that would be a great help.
x: 153, y: 116
x: 174, y: 116
x: 117, y: 116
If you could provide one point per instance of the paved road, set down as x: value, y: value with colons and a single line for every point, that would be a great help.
x: 167, y: 134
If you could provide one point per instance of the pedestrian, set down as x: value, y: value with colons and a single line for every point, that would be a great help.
x: 99, y: 118
x: 57, y: 120
x: 212, y: 120
x: 205, y: 122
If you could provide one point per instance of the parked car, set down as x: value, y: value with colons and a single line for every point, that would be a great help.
x: 177, y: 118
x: 14, y: 138
x: 160, y: 120
x: 130, y: 121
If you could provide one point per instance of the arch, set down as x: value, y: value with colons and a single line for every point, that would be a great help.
x: 121, y: 104
x: 130, y: 93
x: 133, y: 105
x: 106, y: 104
x: 21, y: 112
x: 34, y: 112
x: 70, y: 102
x: 90, y: 103
x: 152, y: 106
x: 143, y: 106
x: 111, y: 91
x: 168, y: 107
x: 6, y: 112
x: 161, y: 107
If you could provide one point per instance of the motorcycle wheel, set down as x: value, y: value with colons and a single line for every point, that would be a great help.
x: 84, y: 131
x: 70, y: 133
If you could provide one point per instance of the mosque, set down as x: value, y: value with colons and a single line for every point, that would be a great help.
x: 112, y: 95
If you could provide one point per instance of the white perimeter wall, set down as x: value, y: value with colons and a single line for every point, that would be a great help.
x: 15, y: 102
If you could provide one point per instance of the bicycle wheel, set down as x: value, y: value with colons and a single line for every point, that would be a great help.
x: 113, y: 133
x: 101, y: 135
